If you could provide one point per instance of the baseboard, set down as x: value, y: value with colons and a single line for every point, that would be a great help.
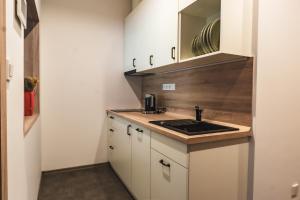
x: 71, y: 169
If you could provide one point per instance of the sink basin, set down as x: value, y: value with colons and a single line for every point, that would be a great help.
x: 193, y: 127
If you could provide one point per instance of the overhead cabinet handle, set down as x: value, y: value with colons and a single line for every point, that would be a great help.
x: 111, y: 147
x: 164, y: 164
x: 173, y: 53
x: 133, y: 62
x: 111, y: 117
x: 151, y: 60
x: 128, y: 132
x: 111, y: 130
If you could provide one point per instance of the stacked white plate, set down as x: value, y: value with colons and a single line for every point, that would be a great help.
x: 208, y: 40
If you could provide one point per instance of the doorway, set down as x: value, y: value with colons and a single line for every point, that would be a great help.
x: 3, y: 119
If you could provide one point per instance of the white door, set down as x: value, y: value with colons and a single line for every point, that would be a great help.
x: 121, y: 150
x: 168, y: 179
x: 141, y: 163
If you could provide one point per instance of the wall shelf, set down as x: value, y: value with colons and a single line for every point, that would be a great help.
x: 32, y: 59
x: 207, y: 60
x: 29, y: 122
x: 191, y: 22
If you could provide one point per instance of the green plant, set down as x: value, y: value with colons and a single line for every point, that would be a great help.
x: 30, y: 83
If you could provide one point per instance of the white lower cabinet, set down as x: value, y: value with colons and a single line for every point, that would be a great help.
x: 141, y: 163
x: 169, y: 180
x: 120, y: 149
x: 156, y: 167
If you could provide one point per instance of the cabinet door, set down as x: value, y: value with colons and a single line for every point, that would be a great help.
x: 120, y: 157
x: 136, y: 37
x: 164, y: 31
x: 141, y: 163
x: 130, y: 43
x: 168, y: 179
x: 151, y: 30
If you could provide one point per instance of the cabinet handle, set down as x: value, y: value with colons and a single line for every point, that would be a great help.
x: 164, y: 164
x: 151, y: 60
x: 133, y: 62
x: 111, y: 130
x: 173, y: 53
x: 128, y: 127
x: 111, y: 147
x: 111, y: 117
x: 139, y: 130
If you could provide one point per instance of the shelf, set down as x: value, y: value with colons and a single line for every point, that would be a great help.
x: 192, y: 20
x: 196, y: 62
x: 29, y: 122
x: 32, y: 59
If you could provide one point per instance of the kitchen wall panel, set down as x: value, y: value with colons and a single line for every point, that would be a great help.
x: 224, y: 91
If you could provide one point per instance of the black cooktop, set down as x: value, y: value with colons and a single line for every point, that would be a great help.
x: 193, y: 127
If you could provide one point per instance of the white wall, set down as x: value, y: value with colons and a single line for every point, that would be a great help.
x: 23, y: 177
x: 33, y: 163
x: 81, y: 76
x: 277, y: 118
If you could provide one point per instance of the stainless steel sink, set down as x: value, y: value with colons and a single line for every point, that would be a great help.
x: 193, y: 127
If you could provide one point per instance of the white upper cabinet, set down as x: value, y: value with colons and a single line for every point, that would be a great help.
x: 159, y: 33
x: 227, y: 23
x: 151, y: 34
x: 164, y: 32
x: 132, y: 39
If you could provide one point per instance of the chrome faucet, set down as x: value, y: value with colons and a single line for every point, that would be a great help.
x: 198, y: 113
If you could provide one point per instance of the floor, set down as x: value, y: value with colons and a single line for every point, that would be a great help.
x: 91, y: 183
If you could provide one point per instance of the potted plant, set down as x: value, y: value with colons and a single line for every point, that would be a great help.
x: 30, y: 86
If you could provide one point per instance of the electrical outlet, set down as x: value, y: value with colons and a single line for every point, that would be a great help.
x: 169, y: 86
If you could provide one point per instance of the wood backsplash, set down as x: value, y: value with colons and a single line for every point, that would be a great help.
x: 224, y: 91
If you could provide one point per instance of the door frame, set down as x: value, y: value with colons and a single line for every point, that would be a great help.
x: 3, y: 114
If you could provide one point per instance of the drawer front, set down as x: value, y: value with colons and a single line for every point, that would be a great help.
x: 173, y: 149
x: 117, y: 124
x: 169, y: 180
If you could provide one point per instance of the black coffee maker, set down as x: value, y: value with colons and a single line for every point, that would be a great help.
x: 150, y: 103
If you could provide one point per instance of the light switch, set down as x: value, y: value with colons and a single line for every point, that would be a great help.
x: 9, y: 70
x: 295, y: 190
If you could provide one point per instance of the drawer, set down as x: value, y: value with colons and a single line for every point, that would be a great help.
x: 173, y: 149
x: 117, y: 124
x: 140, y: 129
x: 169, y: 180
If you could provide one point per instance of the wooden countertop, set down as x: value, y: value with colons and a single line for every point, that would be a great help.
x: 143, y: 120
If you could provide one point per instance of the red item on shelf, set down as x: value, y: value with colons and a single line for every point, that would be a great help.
x: 29, y: 103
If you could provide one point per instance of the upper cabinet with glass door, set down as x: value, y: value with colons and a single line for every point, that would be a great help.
x: 210, y: 28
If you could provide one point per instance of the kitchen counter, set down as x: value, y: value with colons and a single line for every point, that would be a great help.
x: 143, y: 120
